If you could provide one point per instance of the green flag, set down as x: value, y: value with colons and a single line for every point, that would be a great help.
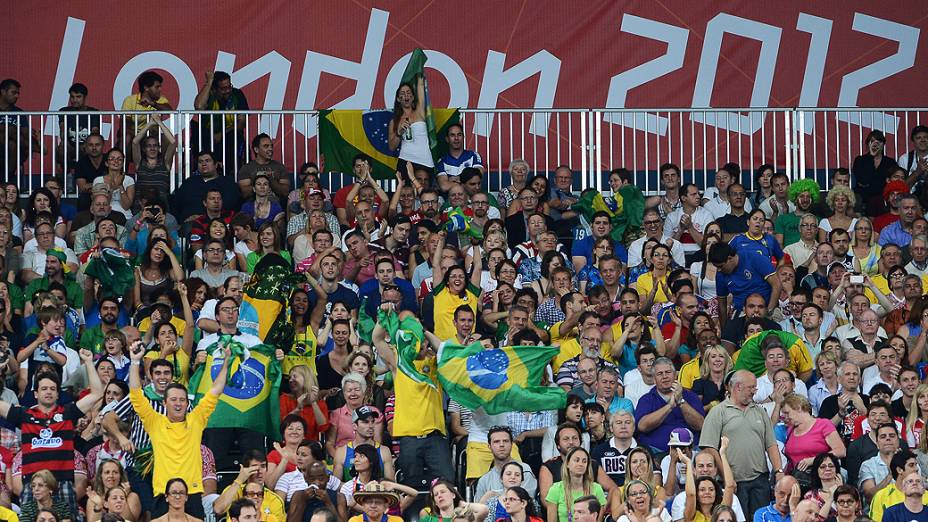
x: 250, y: 398
x: 113, y: 270
x: 499, y: 379
x: 415, y: 69
x: 407, y: 336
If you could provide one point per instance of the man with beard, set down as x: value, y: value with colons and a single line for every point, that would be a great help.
x: 222, y: 131
x: 591, y: 345
x: 92, y: 338
x: 429, y: 207
x: 57, y: 265
x: 480, y: 205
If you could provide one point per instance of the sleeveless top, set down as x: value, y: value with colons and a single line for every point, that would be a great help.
x: 157, y: 177
x: 349, y: 460
x: 302, y: 353
x: 414, y: 145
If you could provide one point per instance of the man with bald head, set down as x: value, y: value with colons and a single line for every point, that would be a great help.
x: 779, y: 509
x: 750, y: 431
x: 805, y: 512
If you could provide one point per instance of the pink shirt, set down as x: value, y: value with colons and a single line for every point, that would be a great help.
x: 342, y: 419
x: 811, y: 444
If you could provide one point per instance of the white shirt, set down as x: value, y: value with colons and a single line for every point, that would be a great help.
x: 635, y: 388
x: 700, y: 217
x: 717, y: 207
x: 767, y: 207
x: 871, y: 377
x: 116, y: 198
x: 903, y: 161
x: 765, y: 388
x: 246, y: 339
x: 294, y: 481
x: 481, y: 422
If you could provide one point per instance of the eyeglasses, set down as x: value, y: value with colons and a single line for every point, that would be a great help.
x: 528, y: 198
x: 868, y: 321
x: 429, y: 202
x: 845, y: 502
x: 177, y: 494
x: 652, y: 222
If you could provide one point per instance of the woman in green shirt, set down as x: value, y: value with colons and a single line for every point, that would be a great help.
x: 268, y: 243
x: 576, y: 481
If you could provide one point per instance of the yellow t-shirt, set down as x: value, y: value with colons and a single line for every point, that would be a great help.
x: 418, y: 409
x: 645, y: 283
x: 131, y: 103
x: 880, y: 282
x: 887, y: 497
x: 305, y: 355
x: 272, y: 506
x: 176, y: 445
x: 445, y: 303
x: 179, y: 324
x: 689, y: 372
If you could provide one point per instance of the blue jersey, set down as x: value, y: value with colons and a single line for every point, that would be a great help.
x: 583, y: 246
x: 450, y: 166
x: 766, y: 245
x: 749, y: 277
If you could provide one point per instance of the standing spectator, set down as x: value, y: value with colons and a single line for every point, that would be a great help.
x: 871, y: 173
x: 188, y: 200
x: 90, y: 166
x: 222, y: 132
x: 149, y: 98
x: 750, y: 431
x: 120, y: 185
x: 74, y: 130
x: 452, y: 164
x: 687, y: 223
x: 742, y: 273
x: 175, y: 447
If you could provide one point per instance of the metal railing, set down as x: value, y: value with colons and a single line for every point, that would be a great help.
x: 805, y: 142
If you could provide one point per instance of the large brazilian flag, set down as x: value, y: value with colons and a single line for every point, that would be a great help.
x: 499, y: 379
x: 249, y: 399
x: 345, y: 133
x: 625, y: 210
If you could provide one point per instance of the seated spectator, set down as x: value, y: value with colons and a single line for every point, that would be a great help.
x: 444, y: 500
x: 825, y: 472
x: 45, y: 497
x: 577, y: 480
x: 875, y: 471
x: 190, y: 198
x: 215, y: 272
x: 263, y: 162
x: 666, y: 407
x: 264, y: 208
x: 702, y: 494
x: 639, y: 468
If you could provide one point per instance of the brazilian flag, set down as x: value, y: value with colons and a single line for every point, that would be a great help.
x: 267, y: 300
x: 625, y: 209
x: 252, y: 387
x: 345, y: 133
x: 750, y: 358
x: 407, y: 335
x: 499, y: 379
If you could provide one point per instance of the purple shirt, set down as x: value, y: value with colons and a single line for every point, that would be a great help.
x: 658, y: 437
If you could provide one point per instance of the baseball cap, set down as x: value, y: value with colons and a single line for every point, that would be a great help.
x: 680, y: 437
x: 365, y: 412
x: 315, y: 192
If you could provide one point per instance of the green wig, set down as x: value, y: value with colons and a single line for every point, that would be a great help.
x: 804, y: 185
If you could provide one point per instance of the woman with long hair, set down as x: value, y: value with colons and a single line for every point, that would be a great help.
x: 305, y: 323
x: 714, y: 365
x: 520, y: 506
x: 120, y: 185
x: 763, y: 188
x: 842, y: 201
x: 689, y: 348
x: 704, y: 272
x: 216, y: 228
x: 198, y: 292
x: 159, y: 269
x: 407, y: 131
x: 167, y: 344
x: 639, y: 466
x: 111, y: 475
x: 918, y: 416
x: 456, y: 289
x: 871, y: 173
x: 637, y: 331
x: 511, y: 476
x: 652, y: 285
x: 367, y: 468
x: 864, y: 248
x: 915, y: 330
x: 443, y: 500
x: 265, y: 207
x: 42, y: 200
x: 704, y: 494
x: 539, y: 184
x: 153, y: 170
x: 304, y: 399
x: 268, y: 243
x: 571, y: 412
x: 826, y: 477
x: 576, y: 481
x: 113, y: 391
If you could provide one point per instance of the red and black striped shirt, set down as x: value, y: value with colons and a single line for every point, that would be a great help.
x: 47, y: 439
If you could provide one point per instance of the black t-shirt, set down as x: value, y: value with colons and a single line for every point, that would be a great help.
x: 733, y: 224
x: 612, y: 461
x: 328, y: 377
x: 709, y: 391
x: 829, y: 409
x: 899, y: 409
x: 78, y: 126
x: 86, y: 171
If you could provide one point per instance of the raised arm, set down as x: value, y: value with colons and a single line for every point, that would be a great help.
x: 477, y: 269
x: 384, y: 350
x: 199, y: 103
x: 136, y: 352
x: 96, y: 386
x: 171, y: 140
x: 689, y: 512
x: 219, y: 383
x: 322, y: 298
x: 190, y: 325
x: 420, y: 106
x: 438, y: 274
x: 728, y: 492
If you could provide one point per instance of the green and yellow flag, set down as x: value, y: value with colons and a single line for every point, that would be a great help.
x: 625, y: 210
x: 252, y: 387
x: 407, y: 335
x: 499, y: 379
x: 750, y: 358
x: 345, y: 133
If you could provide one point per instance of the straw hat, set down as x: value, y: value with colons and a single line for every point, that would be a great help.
x: 377, y: 490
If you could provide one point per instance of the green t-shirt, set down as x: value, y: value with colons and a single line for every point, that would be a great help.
x: 74, y: 292
x: 788, y: 225
x: 252, y: 260
x: 556, y: 496
x: 92, y: 339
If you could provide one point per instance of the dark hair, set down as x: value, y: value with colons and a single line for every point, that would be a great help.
x: 524, y: 336
x: 257, y: 139
x: 469, y: 173
x: 847, y: 489
x: 875, y: 135
x: 817, y: 462
x: 254, y: 454
x: 373, y: 456
x: 645, y: 349
x: 165, y: 265
x: 720, y: 252
x: 220, y: 76
x: 160, y: 362
x: 79, y: 88
x: 7, y: 83
x: 175, y: 386
x: 235, y: 509
x: 290, y: 419
x: 571, y: 400
x: 147, y: 79
x: 52, y: 203
x: 315, y: 449
x: 326, y: 514
x: 541, y: 197
x: 562, y: 427
x: 718, y: 490
x: 454, y: 492
x: 898, y: 462
x: 462, y: 309
x: 167, y: 485
x: 50, y: 375
x: 398, y: 107
x: 669, y: 166
x: 593, y: 503
x: 529, y: 504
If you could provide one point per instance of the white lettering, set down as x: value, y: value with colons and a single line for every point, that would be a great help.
x: 675, y: 38
x: 64, y: 75
x: 363, y: 72
x: 716, y: 29
x: 496, y: 80
x: 820, y: 29
x: 272, y: 64
x: 853, y: 82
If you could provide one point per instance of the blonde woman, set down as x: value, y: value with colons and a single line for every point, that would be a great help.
x: 576, y: 481
x: 864, y: 249
x: 918, y: 416
x: 714, y: 364
x: 639, y: 466
x: 826, y: 366
x: 841, y: 201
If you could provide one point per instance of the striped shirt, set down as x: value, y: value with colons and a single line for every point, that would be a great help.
x: 47, y: 439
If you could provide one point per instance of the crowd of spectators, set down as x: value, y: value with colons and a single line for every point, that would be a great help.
x: 743, y: 356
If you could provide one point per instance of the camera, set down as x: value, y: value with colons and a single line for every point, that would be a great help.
x: 857, y: 279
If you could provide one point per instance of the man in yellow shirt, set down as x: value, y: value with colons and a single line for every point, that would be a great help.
x: 149, y: 98
x: 903, y: 464
x: 175, y: 436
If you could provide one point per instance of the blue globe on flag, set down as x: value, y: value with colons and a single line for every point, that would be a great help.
x: 487, y: 369
x: 247, y: 382
x: 375, y: 125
